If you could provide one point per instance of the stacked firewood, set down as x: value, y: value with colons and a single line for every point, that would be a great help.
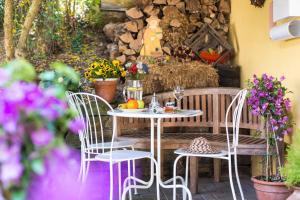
x: 180, y: 19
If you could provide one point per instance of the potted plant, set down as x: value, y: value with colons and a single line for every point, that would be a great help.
x: 267, y: 98
x: 104, y: 74
x: 135, y: 73
x: 291, y: 170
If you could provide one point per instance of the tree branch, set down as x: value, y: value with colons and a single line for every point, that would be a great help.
x: 8, y: 29
x: 31, y: 15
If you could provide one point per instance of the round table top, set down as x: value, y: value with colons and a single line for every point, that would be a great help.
x: 148, y: 114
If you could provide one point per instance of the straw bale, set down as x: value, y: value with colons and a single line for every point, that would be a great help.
x: 192, y: 74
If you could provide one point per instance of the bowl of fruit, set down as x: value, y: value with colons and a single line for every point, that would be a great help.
x: 132, y: 105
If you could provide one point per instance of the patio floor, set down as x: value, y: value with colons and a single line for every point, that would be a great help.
x: 208, y: 190
x: 98, y: 184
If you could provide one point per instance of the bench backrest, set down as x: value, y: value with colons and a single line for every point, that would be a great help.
x: 212, y: 101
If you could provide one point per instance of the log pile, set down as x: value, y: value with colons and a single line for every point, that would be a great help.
x: 180, y: 19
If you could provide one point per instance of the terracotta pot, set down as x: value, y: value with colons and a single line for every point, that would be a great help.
x: 295, y: 195
x: 270, y: 190
x: 106, y: 88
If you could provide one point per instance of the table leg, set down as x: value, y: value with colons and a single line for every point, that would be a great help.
x: 152, y: 163
x: 152, y: 144
x: 158, y: 148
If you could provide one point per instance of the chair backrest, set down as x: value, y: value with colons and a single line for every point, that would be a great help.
x: 233, y: 115
x: 91, y: 109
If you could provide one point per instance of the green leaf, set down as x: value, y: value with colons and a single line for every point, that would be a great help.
x: 20, y: 69
x: 18, y: 195
x: 66, y: 71
x: 37, y: 166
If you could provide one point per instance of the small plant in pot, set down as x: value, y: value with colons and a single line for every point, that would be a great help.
x: 291, y: 170
x: 104, y: 74
x: 267, y: 98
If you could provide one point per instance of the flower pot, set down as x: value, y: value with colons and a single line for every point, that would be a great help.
x: 295, y: 195
x: 106, y: 88
x: 270, y: 190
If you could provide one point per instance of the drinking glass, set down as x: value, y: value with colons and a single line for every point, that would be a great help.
x: 178, y: 94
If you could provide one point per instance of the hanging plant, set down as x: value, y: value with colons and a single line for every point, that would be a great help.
x: 258, y: 3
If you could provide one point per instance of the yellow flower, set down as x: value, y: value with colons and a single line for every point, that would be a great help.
x: 116, y: 63
x: 123, y: 73
x: 99, y: 73
x: 86, y: 74
x: 93, y: 65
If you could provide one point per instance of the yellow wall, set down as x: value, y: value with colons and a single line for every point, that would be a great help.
x: 257, y: 54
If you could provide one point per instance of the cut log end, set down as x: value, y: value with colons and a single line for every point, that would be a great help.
x: 134, y: 13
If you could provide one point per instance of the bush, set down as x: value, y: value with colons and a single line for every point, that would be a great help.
x: 291, y: 170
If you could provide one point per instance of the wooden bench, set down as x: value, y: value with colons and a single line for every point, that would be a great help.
x: 213, y: 102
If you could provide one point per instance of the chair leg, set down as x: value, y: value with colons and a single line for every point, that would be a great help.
x: 146, y: 184
x: 194, y: 175
x: 217, y: 170
x: 86, y: 170
x: 184, y: 183
x: 133, y: 171
x: 129, y: 182
x: 120, y: 177
x: 237, y: 176
x: 111, y: 179
x: 186, y: 176
x: 80, y: 176
x: 157, y: 185
x: 230, y: 178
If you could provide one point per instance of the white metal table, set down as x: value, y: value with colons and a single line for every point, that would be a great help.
x: 155, y: 120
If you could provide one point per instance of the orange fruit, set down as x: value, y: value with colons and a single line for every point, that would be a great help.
x: 132, y: 104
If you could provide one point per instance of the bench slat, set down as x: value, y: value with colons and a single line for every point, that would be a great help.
x: 247, y: 144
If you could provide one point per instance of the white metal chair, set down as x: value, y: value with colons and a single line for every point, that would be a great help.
x: 95, y: 145
x: 235, y: 107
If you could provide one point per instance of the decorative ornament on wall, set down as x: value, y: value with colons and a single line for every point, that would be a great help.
x: 258, y: 3
x: 151, y: 39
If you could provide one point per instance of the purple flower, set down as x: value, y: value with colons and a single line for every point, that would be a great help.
x: 41, y: 137
x: 282, y: 78
x: 267, y: 97
x: 11, y: 171
x: 290, y: 130
x: 265, y: 106
x: 275, y: 128
x: 287, y: 104
x: 76, y: 125
x: 4, y: 76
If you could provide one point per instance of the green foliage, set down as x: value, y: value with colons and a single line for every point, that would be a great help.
x: 20, y: 70
x: 62, y: 77
x: 93, y: 14
x: 291, y: 170
x: 60, y: 25
x: 1, y: 12
x: 77, y: 42
x: 49, y: 29
x: 20, y: 11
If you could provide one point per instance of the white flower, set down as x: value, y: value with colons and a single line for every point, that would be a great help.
x: 140, y: 65
x: 128, y: 65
